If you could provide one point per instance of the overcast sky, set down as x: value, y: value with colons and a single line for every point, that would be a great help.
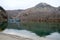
x: 24, y: 4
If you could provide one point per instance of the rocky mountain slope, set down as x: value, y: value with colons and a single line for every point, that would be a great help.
x: 41, y: 12
x: 13, y: 13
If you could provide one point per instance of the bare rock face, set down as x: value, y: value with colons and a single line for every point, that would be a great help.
x: 41, y: 12
x: 11, y: 37
x: 3, y: 19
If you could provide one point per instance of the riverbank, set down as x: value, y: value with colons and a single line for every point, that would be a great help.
x: 4, y: 36
x: 13, y: 34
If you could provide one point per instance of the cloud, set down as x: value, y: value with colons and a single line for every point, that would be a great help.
x: 24, y: 4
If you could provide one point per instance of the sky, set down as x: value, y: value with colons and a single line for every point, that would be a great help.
x: 24, y: 4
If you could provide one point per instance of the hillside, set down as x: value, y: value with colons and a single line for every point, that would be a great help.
x: 13, y: 13
x: 41, y: 12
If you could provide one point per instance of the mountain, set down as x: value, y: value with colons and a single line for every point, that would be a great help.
x: 58, y: 8
x: 42, y: 5
x: 41, y: 12
x: 13, y: 13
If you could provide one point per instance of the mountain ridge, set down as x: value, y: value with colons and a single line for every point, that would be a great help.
x: 44, y: 13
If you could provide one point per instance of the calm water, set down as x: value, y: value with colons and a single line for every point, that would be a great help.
x: 29, y: 34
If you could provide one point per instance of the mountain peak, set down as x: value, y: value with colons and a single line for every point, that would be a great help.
x: 42, y: 5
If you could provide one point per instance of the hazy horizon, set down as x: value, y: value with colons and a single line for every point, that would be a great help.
x: 24, y: 4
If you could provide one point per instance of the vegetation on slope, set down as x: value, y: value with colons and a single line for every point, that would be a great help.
x: 3, y: 19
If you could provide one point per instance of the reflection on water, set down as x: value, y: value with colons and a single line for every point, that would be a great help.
x: 29, y: 34
x: 54, y: 35
x: 22, y: 33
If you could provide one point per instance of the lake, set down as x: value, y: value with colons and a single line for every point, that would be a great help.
x: 29, y: 34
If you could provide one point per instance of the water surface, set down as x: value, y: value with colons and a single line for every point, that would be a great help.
x: 29, y: 34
